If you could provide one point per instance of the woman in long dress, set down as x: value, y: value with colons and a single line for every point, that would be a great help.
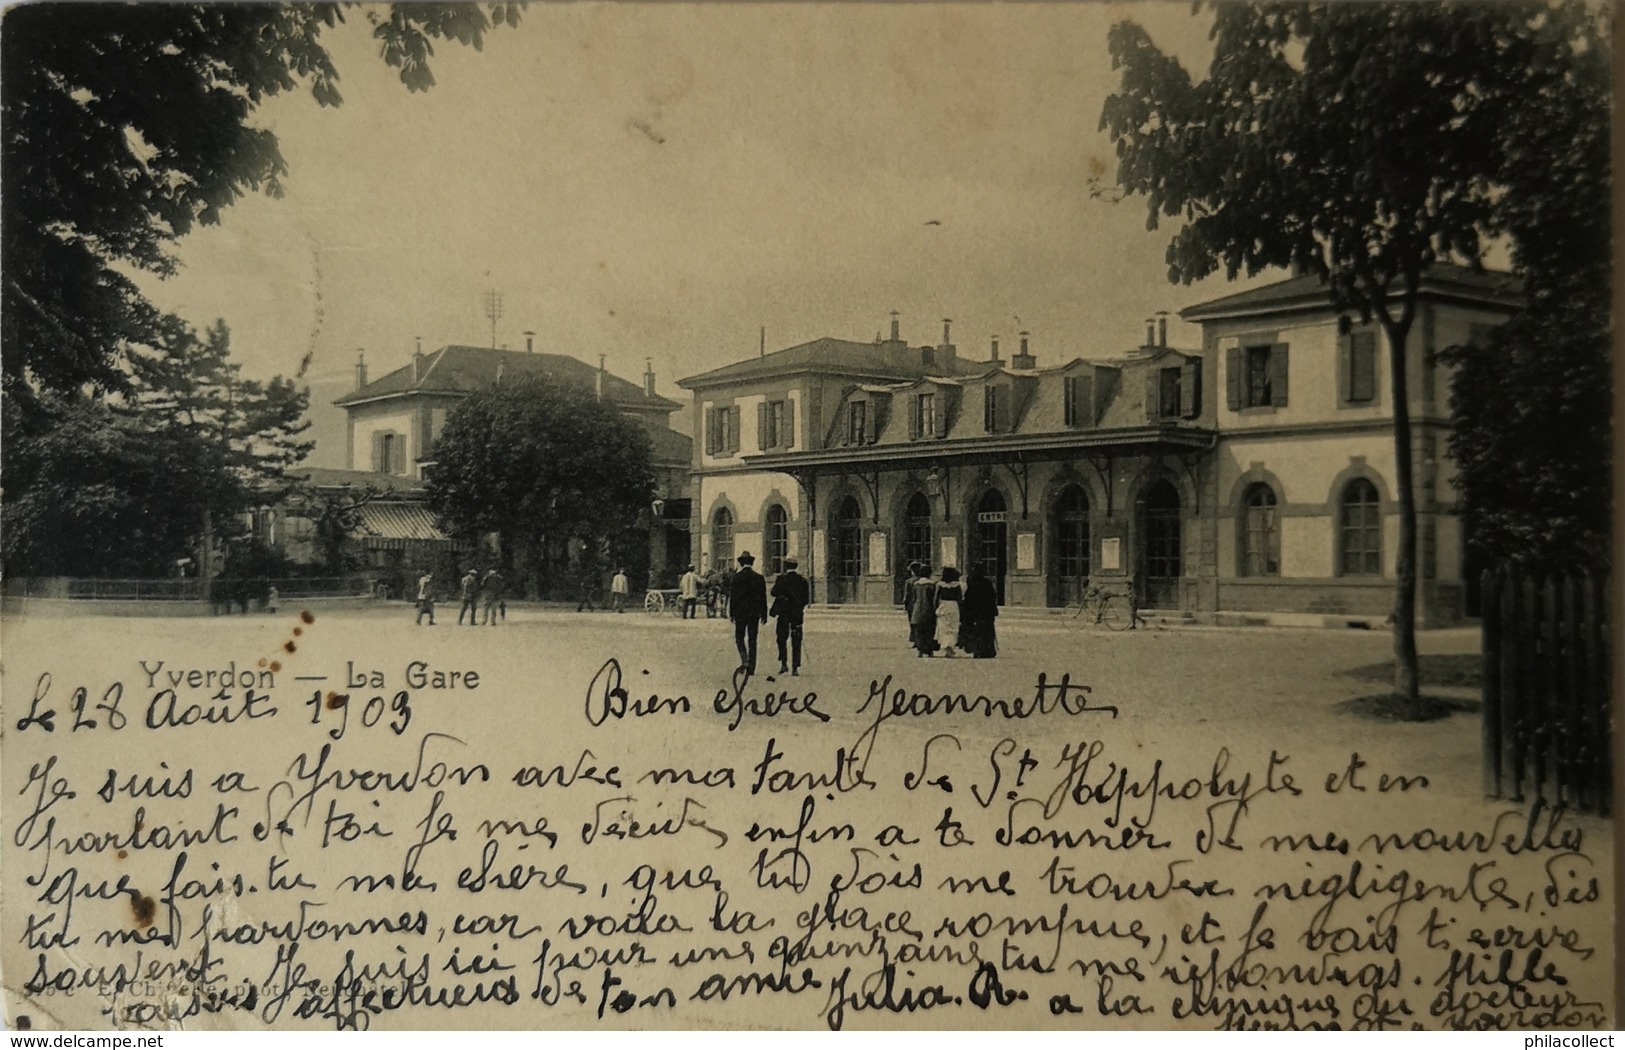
x: 922, y: 615
x: 950, y: 592
x: 981, y: 607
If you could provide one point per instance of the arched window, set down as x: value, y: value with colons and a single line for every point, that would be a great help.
x: 917, y: 530
x: 722, y: 538
x: 777, y: 529
x: 1072, y: 534
x: 1360, y: 529
x: 1260, y: 553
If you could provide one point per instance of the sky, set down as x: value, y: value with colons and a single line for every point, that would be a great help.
x: 663, y: 182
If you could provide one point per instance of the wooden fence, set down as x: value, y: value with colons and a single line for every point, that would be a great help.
x: 1547, y: 689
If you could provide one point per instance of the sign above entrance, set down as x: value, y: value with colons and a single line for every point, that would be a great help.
x: 993, y: 516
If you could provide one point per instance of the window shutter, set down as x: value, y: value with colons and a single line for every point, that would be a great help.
x: 1363, y: 376
x: 1083, y: 398
x: 710, y: 432
x: 871, y: 423
x: 1001, y: 410
x: 1152, y: 393
x: 1069, y: 400
x: 377, y: 452
x: 1232, y: 377
x: 914, y: 425
x: 1278, y: 374
x: 733, y: 428
x: 1190, y: 389
x: 762, y: 435
x: 942, y: 414
x: 1345, y: 369
x: 788, y: 438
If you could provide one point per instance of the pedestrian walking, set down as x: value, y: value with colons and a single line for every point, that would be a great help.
x: 618, y: 588
x: 980, y: 608
x: 470, y: 595
x: 272, y: 598
x: 587, y: 587
x: 491, y: 587
x: 747, y: 608
x: 923, y: 611
x: 688, y: 592
x: 950, y: 593
x: 426, y: 598
x: 791, y: 596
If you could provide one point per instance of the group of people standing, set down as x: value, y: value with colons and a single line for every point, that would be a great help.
x: 947, y: 615
x: 473, y: 591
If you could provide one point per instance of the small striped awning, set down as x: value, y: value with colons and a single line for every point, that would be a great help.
x: 392, y: 525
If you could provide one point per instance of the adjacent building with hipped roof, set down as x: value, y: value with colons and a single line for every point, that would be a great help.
x: 392, y: 423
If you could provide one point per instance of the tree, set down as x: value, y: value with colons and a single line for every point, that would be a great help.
x: 1530, y: 436
x: 336, y: 516
x: 1361, y: 143
x: 129, y: 484
x: 539, y: 462
x: 125, y: 124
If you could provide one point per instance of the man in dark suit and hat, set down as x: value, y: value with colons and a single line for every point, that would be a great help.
x: 747, y: 608
x: 791, y: 595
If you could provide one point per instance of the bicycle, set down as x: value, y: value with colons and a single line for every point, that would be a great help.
x: 1113, y: 609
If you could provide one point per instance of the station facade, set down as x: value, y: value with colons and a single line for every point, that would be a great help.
x: 1248, y: 479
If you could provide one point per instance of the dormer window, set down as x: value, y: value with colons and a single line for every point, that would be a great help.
x: 923, y: 418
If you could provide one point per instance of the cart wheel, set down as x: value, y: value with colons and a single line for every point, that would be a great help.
x: 654, y: 603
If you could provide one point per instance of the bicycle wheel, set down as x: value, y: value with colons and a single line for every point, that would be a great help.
x: 1114, y: 613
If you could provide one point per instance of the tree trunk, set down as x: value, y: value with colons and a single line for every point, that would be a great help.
x: 1407, y: 674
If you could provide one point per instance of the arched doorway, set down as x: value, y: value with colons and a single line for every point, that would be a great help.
x: 1069, y: 525
x: 992, y: 538
x: 915, y: 530
x: 847, y: 556
x: 1161, y: 547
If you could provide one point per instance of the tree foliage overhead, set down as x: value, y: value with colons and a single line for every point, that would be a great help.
x: 534, y: 460
x: 1531, y: 439
x: 126, y: 124
x: 1359, y: 142
x: 122, y: 485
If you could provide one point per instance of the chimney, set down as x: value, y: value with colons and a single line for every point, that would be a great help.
x: 602, y: 370
x: 928, y: 357
x: 649, y: 377
x: 1024, y: 360
x: 530, y: 342
x: 946, y: 322
x: 1150, y: 332
x: 417, y: 360
x: 360, y: 369
x: 895, y: 336
x: 1162, y: 327
x: 993, y: 357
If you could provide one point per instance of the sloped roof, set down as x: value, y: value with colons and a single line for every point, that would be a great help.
x: 461, y: 370
x: 328, y: 477
x: 668, y: 446
x: 1492, y: 287
x: 886, y: 360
